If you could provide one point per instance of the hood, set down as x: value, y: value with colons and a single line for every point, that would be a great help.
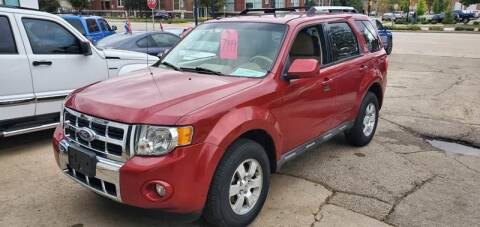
x: 128, y: 55
x: 160, y: 99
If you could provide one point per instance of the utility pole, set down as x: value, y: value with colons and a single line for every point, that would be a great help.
x: 195, y: 11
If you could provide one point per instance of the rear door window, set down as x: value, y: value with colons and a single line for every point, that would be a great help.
x: 146, y: 42
x: 369, y: 34
x: 343, y: 41
x: 7, y: 41
x: 92, y: 26
x: 165, y: 40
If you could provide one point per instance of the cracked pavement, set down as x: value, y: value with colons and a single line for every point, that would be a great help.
x: 397, y: 180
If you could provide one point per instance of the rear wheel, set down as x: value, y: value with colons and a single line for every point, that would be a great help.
x: 240, y: 185
x: 366, y: 123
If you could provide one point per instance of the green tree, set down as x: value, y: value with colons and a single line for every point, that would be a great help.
x: 421, y: 7
x: 357, y: 4
x: 50, y: 6
x: 404, y: 6
x: 448, y: 19
x: 469, y: 2
x: 80, y: 4
x: 438, y: 6
x: 212, y: 6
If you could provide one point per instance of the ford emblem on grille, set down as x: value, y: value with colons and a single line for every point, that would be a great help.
x: 86, y: 134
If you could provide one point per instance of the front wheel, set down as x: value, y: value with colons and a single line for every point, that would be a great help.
x: 240, y: 185
x: 366, y: 122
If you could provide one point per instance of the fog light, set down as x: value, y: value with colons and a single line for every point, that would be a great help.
x: 161, y: 190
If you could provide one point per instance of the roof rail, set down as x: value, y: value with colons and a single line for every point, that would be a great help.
x: 17, y: 7
x: 271, y: 10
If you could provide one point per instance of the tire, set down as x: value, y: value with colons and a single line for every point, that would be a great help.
x: 219, y: 210
x: 466, y: 20
x: 358, y: 135
x: 390, y: 47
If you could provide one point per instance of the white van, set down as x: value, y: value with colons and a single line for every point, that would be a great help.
x: 42, y: 59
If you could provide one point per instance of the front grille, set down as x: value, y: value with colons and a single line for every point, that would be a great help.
x: 110, y: 137
x: 100, y: 185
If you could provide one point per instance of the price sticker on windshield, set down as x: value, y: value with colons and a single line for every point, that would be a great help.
x: 229, y: 44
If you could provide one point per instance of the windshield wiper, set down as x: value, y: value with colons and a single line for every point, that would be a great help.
x: 202, y: 70
x: 170, y: 65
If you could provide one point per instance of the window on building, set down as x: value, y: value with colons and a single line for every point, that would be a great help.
x: 7, y: 42
x: 120, y: 3
x: 47, y: 37
x: 229, y: 5
x: 178, y: 4
x: 253, y: 4
x: 344, y: 43
x: 279, y: 4
x: 295, y: 3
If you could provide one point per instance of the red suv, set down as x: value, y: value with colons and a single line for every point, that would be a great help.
x: 203, y: 129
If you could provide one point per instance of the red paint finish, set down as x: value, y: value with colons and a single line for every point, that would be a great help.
x: 222, y: 108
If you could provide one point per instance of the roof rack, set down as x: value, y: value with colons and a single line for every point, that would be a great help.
x: 17, y: 7
x: 271, y: 10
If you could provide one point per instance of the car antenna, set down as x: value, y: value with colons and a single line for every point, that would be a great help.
x: 148, y: 65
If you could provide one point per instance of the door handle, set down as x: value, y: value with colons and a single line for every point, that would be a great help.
x: 38, y: 63
x: 326, y: 84
x: 326, y: 81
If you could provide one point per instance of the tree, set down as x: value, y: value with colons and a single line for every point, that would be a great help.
x: 80, y: 4
x: 438, y: 6
x: 449, y: 18
x: 357, y: 4
x: 50, y: 6
x: 421, y: 7
x: 469, y: 2
x: 404, y: 6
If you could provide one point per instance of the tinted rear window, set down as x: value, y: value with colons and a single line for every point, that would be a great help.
x: 77, y: 24
x: 344, y: 42
x: 7, y: 42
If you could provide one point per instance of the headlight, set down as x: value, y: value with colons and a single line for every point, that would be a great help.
x: 156, y: 140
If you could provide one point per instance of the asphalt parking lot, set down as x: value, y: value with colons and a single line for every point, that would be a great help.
x: 399, y: 179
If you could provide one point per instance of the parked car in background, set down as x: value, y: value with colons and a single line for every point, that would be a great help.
x: 464, y: 17
x: 388, y: 17
x: 385, y: 35
x: 42, y: 59
x: 436, y: 18
x: 153, y: 43
x: 93, y: 27
x: 162, y: 15
x: 335, y: 9
x: 203, y: 131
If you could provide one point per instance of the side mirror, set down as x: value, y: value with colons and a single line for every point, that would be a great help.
x: 114, y: 27
x: 303, y: 68
x: 85, y: 48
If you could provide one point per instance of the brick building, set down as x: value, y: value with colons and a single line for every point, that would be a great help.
x: 230, y: 6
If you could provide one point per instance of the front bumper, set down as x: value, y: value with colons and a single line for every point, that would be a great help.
x: 107, y: 179
x: 187, y: 171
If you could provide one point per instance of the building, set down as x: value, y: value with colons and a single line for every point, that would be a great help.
x: 33, y: 4
x: 230, y: 6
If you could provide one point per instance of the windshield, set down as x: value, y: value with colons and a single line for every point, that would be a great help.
x: 235, y: 49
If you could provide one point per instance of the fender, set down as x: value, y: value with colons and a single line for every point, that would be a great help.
x: 239, y: 121
x: 366, y: 83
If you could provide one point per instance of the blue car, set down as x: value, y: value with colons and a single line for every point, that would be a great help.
x: 93, y: 27
x: 385, y: 35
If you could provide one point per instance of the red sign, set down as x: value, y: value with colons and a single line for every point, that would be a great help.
x: 152, y: 4
x: 229, y: 44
